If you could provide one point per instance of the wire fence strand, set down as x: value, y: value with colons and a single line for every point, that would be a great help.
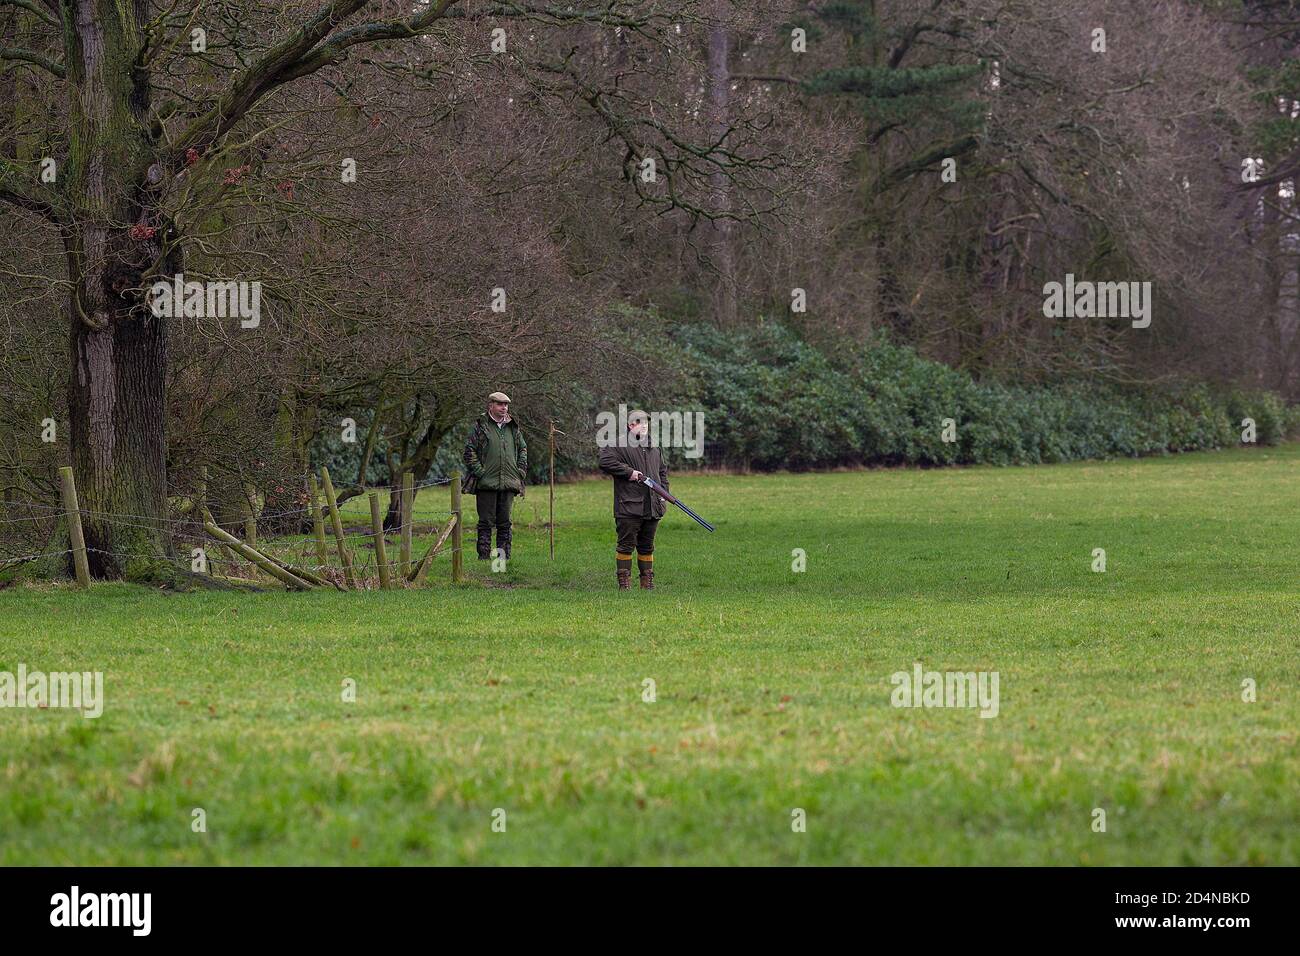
x: 183, y: 532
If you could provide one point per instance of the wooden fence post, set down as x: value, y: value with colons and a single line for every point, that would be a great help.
x: 317, y: 520
x: 381, y: 553
x: 73, y: 511
x: 250, y: 520
x: 433, y: 550
x: 457, y: 570
x: 336, y: 523
x: 408, y: 502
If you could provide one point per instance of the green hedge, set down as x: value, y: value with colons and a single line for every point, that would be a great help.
x: 773, y: 401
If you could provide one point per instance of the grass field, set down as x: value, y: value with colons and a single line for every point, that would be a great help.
x: 523, y: 691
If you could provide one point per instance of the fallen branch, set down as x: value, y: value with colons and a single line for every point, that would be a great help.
x: 271, y: 567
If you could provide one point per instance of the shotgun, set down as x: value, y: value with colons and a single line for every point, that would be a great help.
x: 662, y: 492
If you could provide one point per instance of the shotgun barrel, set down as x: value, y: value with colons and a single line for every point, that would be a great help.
x: 663, y: 493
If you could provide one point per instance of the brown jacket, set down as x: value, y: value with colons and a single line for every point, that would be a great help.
x: 633, y: 499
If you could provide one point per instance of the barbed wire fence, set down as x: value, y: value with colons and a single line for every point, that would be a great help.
x: 35, y: 531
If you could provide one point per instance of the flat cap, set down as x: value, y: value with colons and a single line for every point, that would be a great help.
x: 499, y: 397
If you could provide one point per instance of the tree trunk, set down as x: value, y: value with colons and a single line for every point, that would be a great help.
x: 722, y: 248
x: 117, y: 403
x: 117, y: 389
x: 1286, y: 312
x: 285, y: 511
x: 418, y: 465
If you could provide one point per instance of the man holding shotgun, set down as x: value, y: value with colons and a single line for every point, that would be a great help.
x: 637, y: 509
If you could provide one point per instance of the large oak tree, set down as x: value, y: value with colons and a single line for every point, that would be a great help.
x: 148, y: 101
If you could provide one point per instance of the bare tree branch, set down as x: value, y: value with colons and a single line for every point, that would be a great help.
x: 15, y: 191
x: 29, y: 5
x: 293, y: 57
x: 31, y: 56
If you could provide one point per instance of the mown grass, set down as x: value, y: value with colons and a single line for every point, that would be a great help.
x: 523, y: 690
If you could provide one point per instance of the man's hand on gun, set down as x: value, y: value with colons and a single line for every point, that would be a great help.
x: 636, y: 475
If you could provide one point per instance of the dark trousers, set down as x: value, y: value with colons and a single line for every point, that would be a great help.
x: 635, y: 535
x: 493, y: 511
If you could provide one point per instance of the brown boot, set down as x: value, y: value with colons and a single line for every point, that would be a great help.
x: 624, y: 579
x: 645, y: 565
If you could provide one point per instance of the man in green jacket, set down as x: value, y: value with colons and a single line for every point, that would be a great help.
x: 637, y: 509
x: 496, y: 459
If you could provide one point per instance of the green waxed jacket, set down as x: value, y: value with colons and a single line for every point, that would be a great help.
x: 496, y: 457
